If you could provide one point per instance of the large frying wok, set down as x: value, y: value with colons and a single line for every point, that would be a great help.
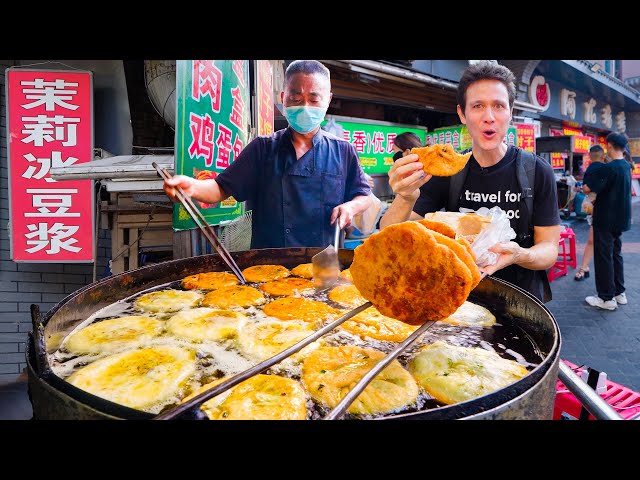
x: 532, y: 397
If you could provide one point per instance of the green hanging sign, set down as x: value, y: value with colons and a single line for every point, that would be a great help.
x: 212, y: 128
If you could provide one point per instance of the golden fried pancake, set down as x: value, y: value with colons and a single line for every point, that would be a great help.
x: 202, y: 324
x: 461, y: 251
x: 262, y: 397
x: 236, y: 296
x: 146, y: 378
x: 287, y: 286
x: 346, y: 275
x: 454, y: 374
x: 329, y: 373
x: 347, y: 295
x: 408, y: 275
x: 471, y: 315
x: 168, y: 300
x: 209, y: 280
x: 372, y: 324
x: 295, y: 308
x: 264, y: 339
x: 265, y: 273
x: 441, y: 160
x: 303, y: 270
x: 114, y: 334
x: 440, y: 227
x: 466, y: 225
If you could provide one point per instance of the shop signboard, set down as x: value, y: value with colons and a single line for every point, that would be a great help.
x: 374, y: 142
x: 49, y: 124
x: 458, y: 136
x: 212, y: 127
x: 525, y: 134
x: 264, y: 100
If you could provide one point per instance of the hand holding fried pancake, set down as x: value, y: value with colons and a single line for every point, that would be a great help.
x: 441, y: 160
x: 411, y: 273
x: 406, y: 176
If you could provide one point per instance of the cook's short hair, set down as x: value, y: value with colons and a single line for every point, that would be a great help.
x: 308, y: 67
x: 596, y: 149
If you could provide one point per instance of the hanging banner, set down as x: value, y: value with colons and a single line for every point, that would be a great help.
x: 526, y: 139
x: 374, y: 143
x: 49, y: 124
x: 212, y: 125
x: 458, y: 136
x: 265, y: 96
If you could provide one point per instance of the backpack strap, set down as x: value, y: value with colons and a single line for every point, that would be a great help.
x: 526, y: 174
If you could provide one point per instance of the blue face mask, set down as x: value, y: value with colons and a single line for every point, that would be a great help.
x: 304, y: 119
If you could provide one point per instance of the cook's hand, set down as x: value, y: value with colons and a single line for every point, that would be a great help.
x: 187, y: 184
x: 407, y: 176
x: 508, y: 254
x: 344, y: 213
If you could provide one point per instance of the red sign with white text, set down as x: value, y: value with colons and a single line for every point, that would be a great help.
x: 49, y: 124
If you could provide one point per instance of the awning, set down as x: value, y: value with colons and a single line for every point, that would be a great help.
x: 394, y: 85
x: 120, y: 173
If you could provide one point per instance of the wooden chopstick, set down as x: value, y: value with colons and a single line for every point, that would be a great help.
x: 204, y: 226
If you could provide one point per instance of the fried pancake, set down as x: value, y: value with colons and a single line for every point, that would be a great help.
x: 347, y: 296
x: 346, y: 275
x: 203, y: 324
x: 287, y: 286
x: 441, y: 160
x: 466, y: 225
x: 168, y: 300
x: 295, y: 308
x: 146, y: 378
x: 471, y: 315
x: 303, y: 270
x: 408, y: 275
x: 454, y: 374
x: 264, y: 339
x: 329, y: 373
x: 209, y: 280
x: 261, y: 397
x: 265, y: 273
x: 459, y: 249
x: 114, y: 334
x: 440, y: 227
x: 372, y: 324
x: 236, y: 296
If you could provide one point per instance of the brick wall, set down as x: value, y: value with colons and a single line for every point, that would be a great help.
x: 22, y: 284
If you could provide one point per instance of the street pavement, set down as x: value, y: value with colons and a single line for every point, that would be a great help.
x: 607, y: 341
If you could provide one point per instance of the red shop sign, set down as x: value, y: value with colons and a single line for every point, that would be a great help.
x: 49, y: 124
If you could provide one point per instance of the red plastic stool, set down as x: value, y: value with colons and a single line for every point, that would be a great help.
x: 570, y: 258
x: 560, y: 267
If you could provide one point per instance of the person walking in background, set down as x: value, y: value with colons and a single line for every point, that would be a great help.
x: 598, y: 160
x: 299, y: 180
x: 611, y: 217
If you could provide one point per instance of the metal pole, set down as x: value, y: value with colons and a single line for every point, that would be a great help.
x: 596, y: 406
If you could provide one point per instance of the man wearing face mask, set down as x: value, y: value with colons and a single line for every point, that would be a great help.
x: 298, y: 181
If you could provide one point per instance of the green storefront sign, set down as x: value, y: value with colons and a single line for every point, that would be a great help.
x: 458, y: 136
x: 212, y: 125
x: 374, y: 142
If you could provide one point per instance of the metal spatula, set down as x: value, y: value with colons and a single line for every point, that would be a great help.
x: 325, y: 265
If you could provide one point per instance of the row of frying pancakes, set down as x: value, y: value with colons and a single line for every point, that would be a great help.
x: 449, y: 373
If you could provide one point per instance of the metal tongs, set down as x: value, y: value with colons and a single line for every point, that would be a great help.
x: 203, y: 225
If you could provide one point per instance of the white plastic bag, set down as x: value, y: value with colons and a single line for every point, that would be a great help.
x: 366, y: 221
x: 498, y: 231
